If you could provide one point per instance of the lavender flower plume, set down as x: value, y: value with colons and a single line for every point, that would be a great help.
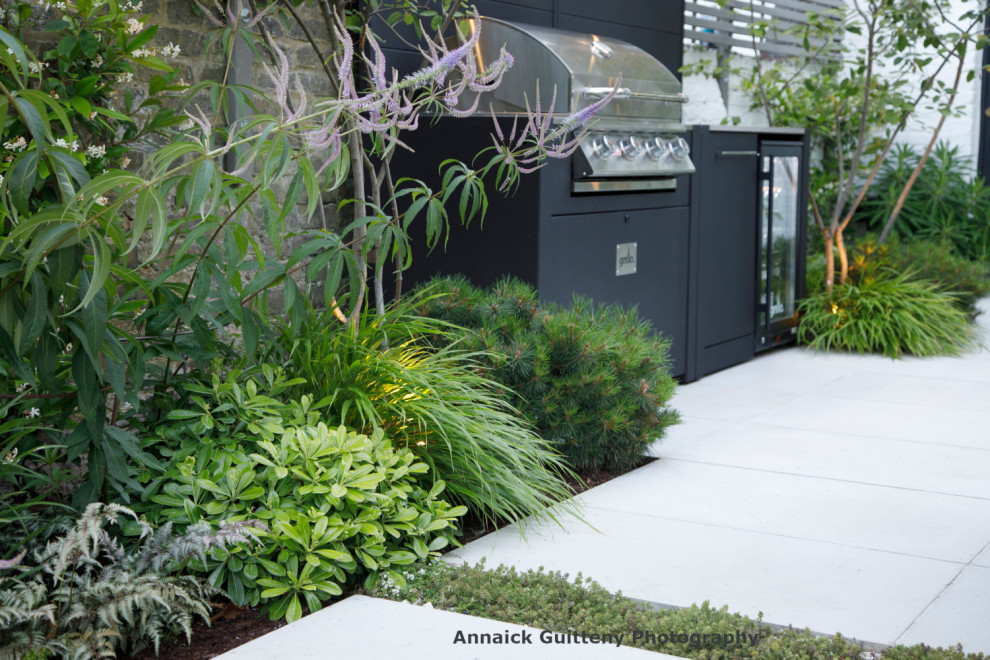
x: 14, y: 561
x: 443, y: 61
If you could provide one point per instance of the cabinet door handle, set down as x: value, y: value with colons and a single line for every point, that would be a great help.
x: 729, y: 154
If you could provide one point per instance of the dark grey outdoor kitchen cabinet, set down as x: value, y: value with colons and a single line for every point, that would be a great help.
x: 726, y: 212
x: 729, y: 202
x: 560, y: 242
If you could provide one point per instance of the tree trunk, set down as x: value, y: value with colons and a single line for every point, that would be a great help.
x: 829, y: 263
x: 840, y: 245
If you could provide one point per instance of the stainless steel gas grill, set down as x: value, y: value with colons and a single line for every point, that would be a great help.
x: 636, y: 141
x: 611, y: 221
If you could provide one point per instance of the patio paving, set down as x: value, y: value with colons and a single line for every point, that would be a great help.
x: 840, y: 493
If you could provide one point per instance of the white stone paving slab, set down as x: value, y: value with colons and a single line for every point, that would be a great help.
x: 823, y: 586
x: 896, y: 520
x: 969, y: 368
x: 710, y: 401
x: 693, y: 428
x: 983, y: 559
x: 944, y: 394
x: 864, y: 459
x: 362, y: 628
x: 775, y: 373
x: 960, y: 615
x: 963, y: 428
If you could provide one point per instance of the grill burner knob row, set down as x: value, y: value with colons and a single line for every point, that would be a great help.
x: 630, y: 147
x: 679, y: 148
x: 603, y: 146
x: 656, y: 148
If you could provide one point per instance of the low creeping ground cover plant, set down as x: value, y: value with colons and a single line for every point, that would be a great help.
x: 554, y: 602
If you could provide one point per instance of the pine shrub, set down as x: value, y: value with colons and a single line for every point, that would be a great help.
x: 592, y: 379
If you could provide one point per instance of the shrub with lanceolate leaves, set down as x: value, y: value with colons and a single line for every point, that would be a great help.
x: 593, y: 379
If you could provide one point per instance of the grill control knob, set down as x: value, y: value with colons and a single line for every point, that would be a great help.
x: 630, y: 147
x: 656, y: 148
x: 679, y: 148
x: 603, y: 146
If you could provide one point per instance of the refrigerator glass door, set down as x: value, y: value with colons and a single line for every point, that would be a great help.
x: 779, y: 218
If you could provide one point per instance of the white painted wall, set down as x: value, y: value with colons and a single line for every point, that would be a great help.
x: 706, y: 106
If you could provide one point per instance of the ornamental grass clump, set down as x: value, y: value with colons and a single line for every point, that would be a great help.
x: 592, y: 379
x: 886, y: 313
x: 434, y: 402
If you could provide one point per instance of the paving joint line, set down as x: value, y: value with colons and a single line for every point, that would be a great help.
x: 970, y: 564
x: 822, y: 478
x: 772, y: 534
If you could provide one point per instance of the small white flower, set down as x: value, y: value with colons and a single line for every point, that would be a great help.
x: 21, y: 387
x: 125, y: 406
x: 143, y: 52
x: 102, y: 201
x: 33, y: 412
x: 130, y: 6
x: 92, y: 115
x: 11, y: 455
x: 128, y: 77
x: 171, y: 50
x: 10, y: 52
x: 65, y: 144
x: 61, y: 299
x: 16, y: 145
x: 1, y: 179
x: 96, y: 151
x: 96, y: 62
x: 37, y: 67
x: 133, y: 26
x: 125, y: 162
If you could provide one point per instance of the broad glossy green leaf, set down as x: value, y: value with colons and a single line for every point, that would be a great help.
x: 36, y: 316
x: 21, y: 179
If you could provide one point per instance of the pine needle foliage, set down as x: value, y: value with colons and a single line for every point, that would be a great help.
x: 89, y: 598
x: 592, y: 379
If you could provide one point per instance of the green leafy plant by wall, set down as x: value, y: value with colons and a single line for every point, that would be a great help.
x: 433, y: 402
x: 592, y: 379
x: 328, y: 505
x: 886, y: 312
x: 89, y: 597
x: 947, y: 203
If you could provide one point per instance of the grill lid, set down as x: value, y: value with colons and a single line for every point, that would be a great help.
x: 582, y: 68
